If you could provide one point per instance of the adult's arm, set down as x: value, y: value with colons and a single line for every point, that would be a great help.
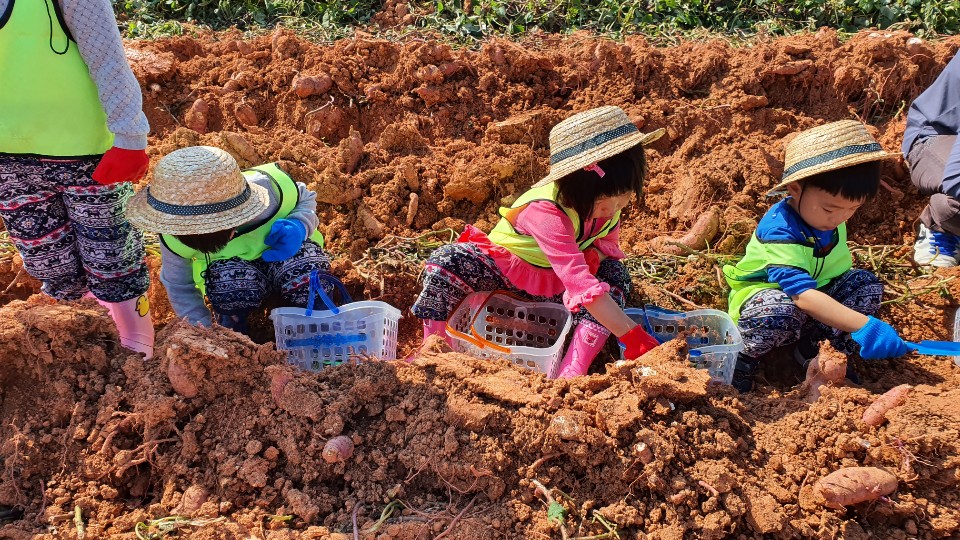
x: 94, y: 27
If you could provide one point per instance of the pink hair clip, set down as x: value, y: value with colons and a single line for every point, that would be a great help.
x: 595, y: 168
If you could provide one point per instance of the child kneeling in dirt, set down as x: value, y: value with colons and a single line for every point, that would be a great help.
x: 559, y: 241
x: 795, y: 283
x: 233, y: 236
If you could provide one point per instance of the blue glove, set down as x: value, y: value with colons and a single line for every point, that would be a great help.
x: 878, y: 339
x: 285, y: 238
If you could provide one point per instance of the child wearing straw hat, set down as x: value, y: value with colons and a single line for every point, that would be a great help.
x: 796, y: 284
x: 559, y: 241
x: 231, y: 235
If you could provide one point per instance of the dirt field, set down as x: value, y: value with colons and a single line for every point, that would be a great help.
x: 217, y: 428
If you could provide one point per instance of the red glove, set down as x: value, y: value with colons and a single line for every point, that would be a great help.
x: 121, y: 165
x: 638, y: 343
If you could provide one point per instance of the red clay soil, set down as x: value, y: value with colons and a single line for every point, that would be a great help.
x: 218, y: 427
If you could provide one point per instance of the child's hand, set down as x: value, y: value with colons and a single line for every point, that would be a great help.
x: 878, y: 340
x: 638, y: 342
x: 285, y: 239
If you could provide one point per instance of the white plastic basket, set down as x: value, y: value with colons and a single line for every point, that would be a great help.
x: 713, y: 338
x: 956, y: 333
x: 317, y: 339
x: 499, y: 325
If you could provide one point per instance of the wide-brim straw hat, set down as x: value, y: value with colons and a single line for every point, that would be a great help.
x: 196, y: 190
x: 827, y: 148
x: 591, y: 136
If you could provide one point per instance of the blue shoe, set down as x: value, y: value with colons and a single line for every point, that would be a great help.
x: 936, y: 248
x: 238, y: 322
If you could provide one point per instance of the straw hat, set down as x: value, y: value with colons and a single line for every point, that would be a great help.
x: 196, y: 190
x: 591, y: 136
x: 827, y: 148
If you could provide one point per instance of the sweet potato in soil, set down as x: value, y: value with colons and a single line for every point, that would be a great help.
x: 876, y: 413
x: 649, y: 447
x: 854, y: 485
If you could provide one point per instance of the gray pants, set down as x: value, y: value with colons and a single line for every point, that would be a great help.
x: 927, y: 159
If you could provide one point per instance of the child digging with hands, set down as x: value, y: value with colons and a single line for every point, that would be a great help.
x: 228, y: 234
x: 796, y: 285
x: 559, y: 241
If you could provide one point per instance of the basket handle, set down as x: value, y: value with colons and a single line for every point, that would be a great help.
x: 316, y: 289
x: 484, y: 343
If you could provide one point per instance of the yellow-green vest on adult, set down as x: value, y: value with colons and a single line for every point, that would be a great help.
x: 249, y: 245
x: 524, y: 245
x: 48, y: 101
x: 749, y: 276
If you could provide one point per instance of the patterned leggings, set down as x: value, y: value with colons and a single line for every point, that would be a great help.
x: 456, y: 270
x: 235, y: 286
x: 70, y: 230
x: 770, y: 319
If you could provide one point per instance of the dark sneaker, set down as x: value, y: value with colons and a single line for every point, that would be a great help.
x: 743, y: 373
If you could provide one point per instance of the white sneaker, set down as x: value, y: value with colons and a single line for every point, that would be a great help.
x: 935, y: 248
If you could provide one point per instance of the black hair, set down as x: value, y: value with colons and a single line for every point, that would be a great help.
x: 207, y: 242
x: 855, y: 183
x: 624, y: 173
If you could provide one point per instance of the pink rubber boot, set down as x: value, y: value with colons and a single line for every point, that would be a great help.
x: 588, y: 338
x: 133, y: 321
x: 436, y: 328
x: 431, y: 328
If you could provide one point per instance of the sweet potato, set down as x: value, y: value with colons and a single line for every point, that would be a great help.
x: 828, y: 368
x: 854, y: 485
x: 876, y: 413
x: 241, y: 146
x: 306, y: 86
x: 698, y: 237
x: 412, y: 208
x: 181, y: 380
x: 196, y: 117
x: 246, y: 115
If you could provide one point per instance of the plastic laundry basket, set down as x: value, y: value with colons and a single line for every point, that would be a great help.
x: 500, y: 325
x: 713, y: 339
x: 315, y: 339
x: 956, y: 333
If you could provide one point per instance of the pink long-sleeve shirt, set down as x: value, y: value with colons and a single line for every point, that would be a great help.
x: 569, y: 272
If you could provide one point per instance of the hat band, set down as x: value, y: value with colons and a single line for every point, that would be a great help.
x: 199, y: 209
x: 830, y: 156
x: 592, y: 143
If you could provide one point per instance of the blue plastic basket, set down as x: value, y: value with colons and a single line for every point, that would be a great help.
x: 713, y: 339
x: 315, y: 339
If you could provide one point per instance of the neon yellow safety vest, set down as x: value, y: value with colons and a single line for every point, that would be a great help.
x: 523, y: 245
x: 749, y: 276
x: 48, y: 102
x: 250, y: 245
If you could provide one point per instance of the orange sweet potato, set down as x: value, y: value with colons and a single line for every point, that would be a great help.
x: 698, y: 237
x: 196, y: 117
x: 876, y: 413
x: 246, y: 115
x: 306, y: 86
x: 854, y: 485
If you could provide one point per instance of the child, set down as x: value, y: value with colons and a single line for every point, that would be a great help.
x: 795, y: 283
x: 231, y: 235
x: 72, y: 139
x: 559, y: 241
x: 931, y: 150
